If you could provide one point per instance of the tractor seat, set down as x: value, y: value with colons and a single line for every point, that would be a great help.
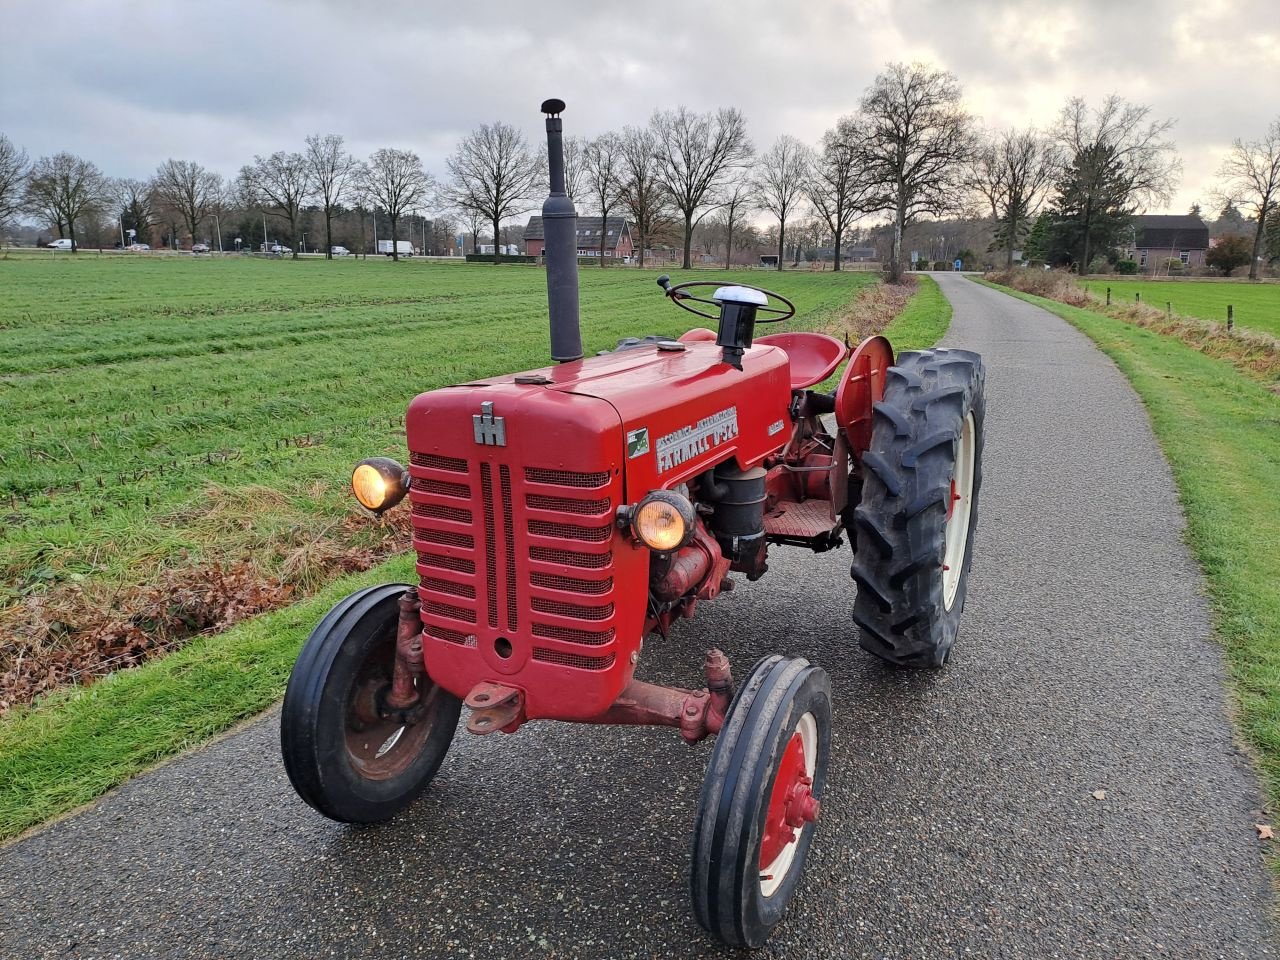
x: 814, y: 356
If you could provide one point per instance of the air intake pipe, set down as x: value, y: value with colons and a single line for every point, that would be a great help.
x: 560, y: 245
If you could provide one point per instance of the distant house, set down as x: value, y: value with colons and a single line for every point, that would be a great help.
x: 1158, y: 238
x: 617, y: 240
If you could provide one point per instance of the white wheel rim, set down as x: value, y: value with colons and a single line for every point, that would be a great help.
x: 956, y: 534
x: 772, y: 876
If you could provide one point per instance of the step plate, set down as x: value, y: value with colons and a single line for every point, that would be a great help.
x: 809, y: 519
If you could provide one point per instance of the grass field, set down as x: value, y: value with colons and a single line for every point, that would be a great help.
x: 1257, y: 305
x: 1221, y: 433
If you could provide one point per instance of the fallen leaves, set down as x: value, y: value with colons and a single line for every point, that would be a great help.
x: 1264, y: 831
x: 1099, y: 794
x: 84, y: 629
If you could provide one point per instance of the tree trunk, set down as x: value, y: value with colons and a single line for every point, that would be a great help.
x: 1088, y: 224
x: 604, y: 225
x: 328, y: 232
x: 835, y: 261
x: 1257, y: 241
x: 782, y: 241
x: 644, y: 237
x: 395, y: 250
x: 895, y: 260
x: 496, y: 248
x: 71, y: 229
x: 688, y: 240
x: 728, y: 245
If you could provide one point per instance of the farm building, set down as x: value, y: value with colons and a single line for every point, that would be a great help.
x: 1159, y: 238
x: 617, y: 239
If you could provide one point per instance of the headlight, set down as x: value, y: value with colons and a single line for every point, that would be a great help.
x: 379, y: 483
x: 663, y: 521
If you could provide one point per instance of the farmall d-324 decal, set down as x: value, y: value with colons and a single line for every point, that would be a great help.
x: 689, y: 442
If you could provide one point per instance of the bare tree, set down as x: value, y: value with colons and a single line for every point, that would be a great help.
x: 1114, y: 157
x: 917, y: 146
x: 641, y: 189
x: 1252, y: 174
x: 496, y: 174
x: 838, y: 187
x: 739, y: 201
x: 575, y: 167
x: 332, y: 170
x: 473, y: 220
x: 188, y: 189
x: 602, y: 177
x: 397, y: 183
x: 280, y: 184
x: 14, y: 166
x: 782, y: 175
x: 62, y: 189
x: 1013, y: 172
x: 135, y: 205
x: 697, y: 154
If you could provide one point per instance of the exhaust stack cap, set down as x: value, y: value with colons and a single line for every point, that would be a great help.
x: 553, y: 107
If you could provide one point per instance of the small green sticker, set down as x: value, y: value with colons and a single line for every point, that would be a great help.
x: 637, y: 443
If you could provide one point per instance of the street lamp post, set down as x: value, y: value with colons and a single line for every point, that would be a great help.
x: 304, y: 241
x: 217, y: 224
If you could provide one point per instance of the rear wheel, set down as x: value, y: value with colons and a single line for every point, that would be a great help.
x: 347, y: 754
x: 760, y: 800
x: 919, y: 507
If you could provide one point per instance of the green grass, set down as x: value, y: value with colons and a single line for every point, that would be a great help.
x: 1257, y: 305
x: 167, y: 359
x: 924, y: 321
x: 1221, y: 434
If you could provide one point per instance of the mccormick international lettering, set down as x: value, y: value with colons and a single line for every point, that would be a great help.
x: 689, y: 442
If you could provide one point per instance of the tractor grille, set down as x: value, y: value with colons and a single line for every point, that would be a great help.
x: 518, y: 552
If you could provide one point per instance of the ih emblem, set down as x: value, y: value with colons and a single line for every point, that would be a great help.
x: 491, y: 431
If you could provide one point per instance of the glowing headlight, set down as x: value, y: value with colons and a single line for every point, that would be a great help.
x: 663, y: 521
x: 379, y: 483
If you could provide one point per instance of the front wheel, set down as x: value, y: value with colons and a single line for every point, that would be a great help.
x: 914, y: 525
x: 347, y: 754
x: 760, y: 800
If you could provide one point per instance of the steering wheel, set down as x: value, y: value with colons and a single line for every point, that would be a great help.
x: 681, y: 296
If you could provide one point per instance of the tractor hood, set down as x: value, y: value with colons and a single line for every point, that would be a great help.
x: 681, y: 409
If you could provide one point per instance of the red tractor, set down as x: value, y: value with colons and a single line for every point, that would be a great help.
x: 561, y: 516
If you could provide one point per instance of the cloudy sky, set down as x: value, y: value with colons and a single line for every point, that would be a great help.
x: 128, y: 84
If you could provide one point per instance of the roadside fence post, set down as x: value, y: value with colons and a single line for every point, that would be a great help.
x: 1108, y: 296
x: 1230, y: 317
x: 1137, y: 296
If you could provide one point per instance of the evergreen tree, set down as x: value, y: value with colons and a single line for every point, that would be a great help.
x: 1093, y: 204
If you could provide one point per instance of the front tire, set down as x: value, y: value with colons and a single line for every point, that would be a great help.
x: 914, y: 526
x: 345, y: 753
x: 759, y: 800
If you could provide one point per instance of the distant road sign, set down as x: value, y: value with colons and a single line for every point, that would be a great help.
x: 958, y: 264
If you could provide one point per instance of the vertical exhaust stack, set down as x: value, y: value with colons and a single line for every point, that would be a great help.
x: 560, y: 246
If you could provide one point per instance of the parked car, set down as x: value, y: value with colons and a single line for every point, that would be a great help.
x: 339, y: 251
x: 279, y: 248
x: 199, y: 248
x: 60, y: 245
x: 138, y: 247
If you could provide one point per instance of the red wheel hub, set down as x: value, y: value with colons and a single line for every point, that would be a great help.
x: 791, y: 804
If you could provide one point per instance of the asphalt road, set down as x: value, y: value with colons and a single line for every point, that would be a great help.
x: 960, y: 818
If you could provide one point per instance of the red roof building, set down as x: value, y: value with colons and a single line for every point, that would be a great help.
x: 617, y: 240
